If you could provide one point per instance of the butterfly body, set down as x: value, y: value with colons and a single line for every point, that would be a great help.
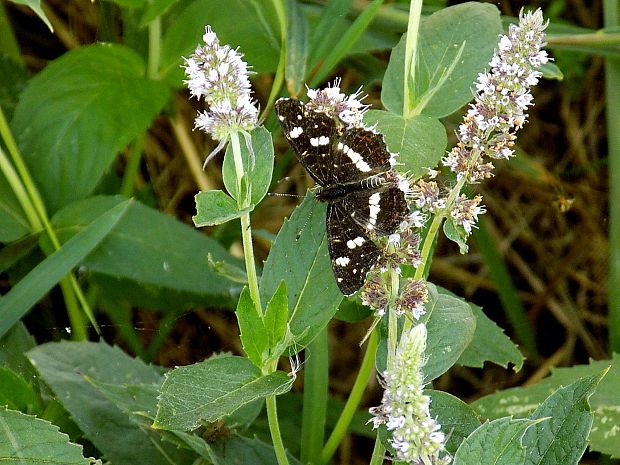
x: 353, y: 170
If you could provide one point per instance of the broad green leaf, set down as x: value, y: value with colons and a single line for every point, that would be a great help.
x: 260, y: 174
x: 150, y: 259
x: 296, y: 49
x: 17, y: 393
x: 12, y: 254
x: 276, y: 316
x: 26, y: 293
x: 139, y: 401
x: 499, y: 442
x: 238, y: 23
x: 420, y: 141
x: 299, y: 254
x: 254, y: 336
x: 456, y: 418
x: 456, y: 234
x: 28, y: 440
x: 13, y: 78
x: 562, y: 439
x: 215, y: 207
x: 78, y: 113
x: 605, y: 401
x: 35, y: 5
x: 442, y: 37
x: 13, y: 346
x: 444, y: 345
x: 551, y: 71
x: 352, y: 311
x: 63, y: 366
x: 489, y: 344
x: 210, y: 390
x: 241, y: 450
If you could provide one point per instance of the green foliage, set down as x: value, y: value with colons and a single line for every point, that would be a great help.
x: 74, y: 117
x: 47, y: 273
x: 455, y: 416
x: 521, y: 401
x: 215, y: 207
x: 27, y: 440
x: 300, y: 254
x: 451, y: 54
x: 210, y: 390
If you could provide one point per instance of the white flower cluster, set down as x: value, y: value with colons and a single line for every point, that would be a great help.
x: 219, y: 75
x: 501, y: 99
x: 404, y: 410
x: 349, y: 109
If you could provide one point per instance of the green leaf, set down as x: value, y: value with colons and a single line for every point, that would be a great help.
x: 456, y: 418
x: 137, y: 400
x: 13, y: 345
x: 63, y: 366
x: 27, y: 440
x: 254, y: 336
x: 296, y: 48
x: 276, y: 316
x: 456, y: 234
x: 35, y: 5
x: 421, y: 140
x: 137, y: 264
x: 210, y: 390
x: 215, y: 207
x: 17, y: 393
x: 562, y: 439
x: 26, y: 293
x: 260, y: 175
x: 551, y: 71
x: 240, y: 450
x: 299, y: 253
x: 489, y: 344
x: 239, y: 23
x: 498, y: 442
x: 605, y: 401
x: 154, y: 9
x: 78, y: 113
x: 329, y: 29
x: 442, y: 37
x: 444, y: 346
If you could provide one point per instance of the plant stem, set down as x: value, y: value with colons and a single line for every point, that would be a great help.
x: 133, y: 166
x: 411, y: 50
x: 278, y: 79
x: 378, y: 453
x: 246, y: 230
x: 612, y: 84
x: 363, y: 376
x: 274, y: 428
x: 152, y: 71
x: 316, y: 383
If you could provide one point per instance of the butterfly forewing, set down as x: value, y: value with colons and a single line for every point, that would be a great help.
x: 352, y: 252
x: 359, y: 154
x: 311, y: 134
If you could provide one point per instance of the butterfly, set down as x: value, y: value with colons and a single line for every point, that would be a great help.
x: 352, y: 167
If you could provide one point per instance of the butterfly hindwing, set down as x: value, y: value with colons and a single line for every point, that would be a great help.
x: 352, y: 252
x: 380, y: 211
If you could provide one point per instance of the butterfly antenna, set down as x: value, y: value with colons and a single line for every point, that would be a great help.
x: 301, y: 230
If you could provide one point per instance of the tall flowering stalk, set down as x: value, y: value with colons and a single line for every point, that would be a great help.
x: 415, y: 436
x: 502, y: 97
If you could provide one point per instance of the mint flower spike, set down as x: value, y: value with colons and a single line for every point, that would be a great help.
x: 502, y: 97
x: 218, y: 74
x: 415, y: 436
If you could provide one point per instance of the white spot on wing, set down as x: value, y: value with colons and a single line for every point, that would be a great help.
x: 295, y: 132
x: 342, y: 261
